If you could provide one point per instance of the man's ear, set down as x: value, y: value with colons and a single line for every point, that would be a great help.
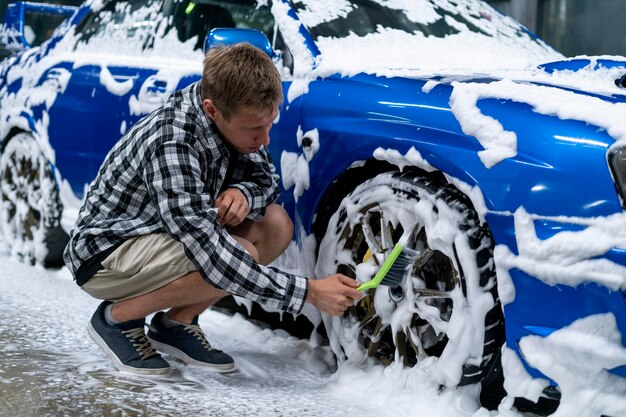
x: 209, y: 108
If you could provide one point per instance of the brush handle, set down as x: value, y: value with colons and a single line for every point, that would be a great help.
x: 386, y: 266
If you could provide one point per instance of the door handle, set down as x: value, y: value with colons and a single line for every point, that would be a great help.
x: 156, y: 86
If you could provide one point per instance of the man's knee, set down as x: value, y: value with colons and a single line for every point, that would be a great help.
x: 248, y: 246
x: 279, y: 224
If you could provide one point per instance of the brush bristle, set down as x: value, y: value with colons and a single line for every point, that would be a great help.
x: 398, y: 270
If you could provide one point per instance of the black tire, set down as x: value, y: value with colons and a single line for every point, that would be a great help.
x: 30, y: 207
x: 457, y: 280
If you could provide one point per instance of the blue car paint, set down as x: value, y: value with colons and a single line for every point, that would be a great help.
x: 580, y: 63
x: 539, y: 308
x: 308, y: 40
x: 76, y: 158
x: 356, y: 115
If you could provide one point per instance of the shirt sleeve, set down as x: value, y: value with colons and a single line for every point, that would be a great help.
x: 173, y: 176
x: 255, y: 176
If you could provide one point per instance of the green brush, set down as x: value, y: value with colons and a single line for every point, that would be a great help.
x: 393, y: 269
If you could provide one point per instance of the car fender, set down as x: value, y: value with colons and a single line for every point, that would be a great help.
x: 15, y: 121
x: 352, y: 117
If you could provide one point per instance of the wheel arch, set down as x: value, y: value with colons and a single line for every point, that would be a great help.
x: 354, y: 152
x: 27, y: 125
x: 347, y: 180
x: 14, y: 131
x: 337, y: 176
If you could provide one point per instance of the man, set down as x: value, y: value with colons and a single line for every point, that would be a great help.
x: 182, y: 213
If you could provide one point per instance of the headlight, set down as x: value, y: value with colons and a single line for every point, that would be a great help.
x: 617, y: 162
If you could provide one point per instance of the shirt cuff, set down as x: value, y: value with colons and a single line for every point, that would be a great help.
x: 253, y: 215
x: 297, y: 293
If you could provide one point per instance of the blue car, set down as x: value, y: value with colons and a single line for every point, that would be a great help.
x: 438, y: 124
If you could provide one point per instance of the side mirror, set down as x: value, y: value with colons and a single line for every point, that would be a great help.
x: 15, y: 35
x: 230, y: 36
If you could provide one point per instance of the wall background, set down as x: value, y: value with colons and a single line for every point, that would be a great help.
x: 574, y: 27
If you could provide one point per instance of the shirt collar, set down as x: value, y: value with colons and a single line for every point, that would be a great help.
x: 212, y: 134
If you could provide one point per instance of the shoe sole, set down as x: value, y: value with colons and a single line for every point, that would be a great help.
x: 117, y: 362
x: 170, y: 350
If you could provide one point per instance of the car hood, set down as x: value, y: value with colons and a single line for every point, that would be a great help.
x: 603, y: 77
x: 516, y: 114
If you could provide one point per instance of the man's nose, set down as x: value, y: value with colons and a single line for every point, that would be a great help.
x: 264, y: 137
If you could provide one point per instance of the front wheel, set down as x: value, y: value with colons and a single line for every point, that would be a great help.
x: 446, y: 309
x: 30, y: 208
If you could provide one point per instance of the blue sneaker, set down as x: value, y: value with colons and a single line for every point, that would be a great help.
x: 126, y: 344
x: 188, y: 343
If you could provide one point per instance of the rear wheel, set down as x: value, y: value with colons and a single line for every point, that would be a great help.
x: 30, y: 208
x: 446, y: 307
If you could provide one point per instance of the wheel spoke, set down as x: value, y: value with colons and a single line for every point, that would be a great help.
x: 422, y: 260
x: 400, y: 342
x: 370, y: 237
x: 428, y: 293
x: 416, y: 343
x: 351, y: 268
x: 385, y: 233
x: 375, y: 338
x: 367, y: 319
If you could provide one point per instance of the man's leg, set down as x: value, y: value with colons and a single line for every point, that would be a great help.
x: 177, y: 332
x: 190, y: 295
x: 270, y: 236
x: 187, y: 296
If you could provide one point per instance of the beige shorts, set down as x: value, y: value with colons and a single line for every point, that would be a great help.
x: 140, y: 265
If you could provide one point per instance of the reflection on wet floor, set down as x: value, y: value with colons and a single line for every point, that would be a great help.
x: 36, y: 383
x: 74, y: 378
x: 50, y: 367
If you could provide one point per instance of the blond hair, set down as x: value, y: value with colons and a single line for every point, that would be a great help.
x: 240, y: 75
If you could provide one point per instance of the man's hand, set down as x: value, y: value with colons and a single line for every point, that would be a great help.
x: 334, y: 294
x: 232, y: 207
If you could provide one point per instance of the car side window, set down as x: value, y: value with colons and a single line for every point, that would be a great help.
x: 140, y: 22
x: 127, y: 25
x: 194, y: 19
x: 286, y: 57
x: 130, y: 27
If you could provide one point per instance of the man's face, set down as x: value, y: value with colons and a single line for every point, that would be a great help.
x: 246, y: 130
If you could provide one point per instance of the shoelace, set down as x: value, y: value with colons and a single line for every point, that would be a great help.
x: 197, y: 332
x: 140, y: 342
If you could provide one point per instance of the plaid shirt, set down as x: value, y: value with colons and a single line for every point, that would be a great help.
x: 163, y: 176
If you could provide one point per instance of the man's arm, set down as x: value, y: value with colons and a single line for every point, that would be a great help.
x: 255, y: 176
x: 173, y: 176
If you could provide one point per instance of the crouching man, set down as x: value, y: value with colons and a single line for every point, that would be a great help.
x: 182, y: 213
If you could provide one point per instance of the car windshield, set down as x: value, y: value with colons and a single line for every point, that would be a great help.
x: 443, y: 35
x: 430, y: 17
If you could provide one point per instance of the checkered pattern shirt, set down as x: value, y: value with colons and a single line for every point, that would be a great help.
x: 163, y: 176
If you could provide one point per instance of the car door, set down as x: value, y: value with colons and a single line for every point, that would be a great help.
x: 117, y: 74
